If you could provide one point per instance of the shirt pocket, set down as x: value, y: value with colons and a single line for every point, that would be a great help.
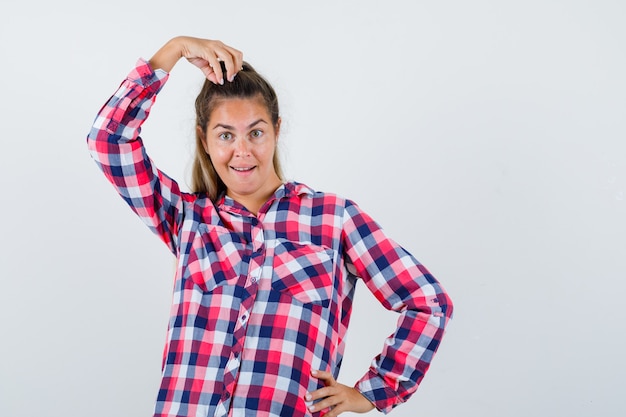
x: 216, y: 257
x: 304, y: 271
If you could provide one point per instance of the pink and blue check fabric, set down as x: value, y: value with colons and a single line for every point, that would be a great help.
x: 260, y: 301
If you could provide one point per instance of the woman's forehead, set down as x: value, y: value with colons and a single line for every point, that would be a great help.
x: 236, y: 111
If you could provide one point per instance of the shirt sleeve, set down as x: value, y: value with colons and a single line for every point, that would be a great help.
x: 403, y: 285
x: 115, y: 145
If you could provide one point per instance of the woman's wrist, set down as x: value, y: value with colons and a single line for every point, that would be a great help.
x: 168, y: 55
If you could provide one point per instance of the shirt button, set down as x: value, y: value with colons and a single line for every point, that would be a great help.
x: 253, y: 280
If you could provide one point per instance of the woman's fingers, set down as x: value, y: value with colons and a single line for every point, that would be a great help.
x: 327, y: 396
x: 338, y: 397
x: 233, y: 60
x: 327, y: 377
x: 205, y: 67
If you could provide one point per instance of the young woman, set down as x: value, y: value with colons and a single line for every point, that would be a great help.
x: 266, y: 269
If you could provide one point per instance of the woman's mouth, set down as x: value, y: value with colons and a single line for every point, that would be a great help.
x: 243, y: 169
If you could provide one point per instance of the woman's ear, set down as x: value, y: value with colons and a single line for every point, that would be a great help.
x: 202, y: 137
x: 277, y: 128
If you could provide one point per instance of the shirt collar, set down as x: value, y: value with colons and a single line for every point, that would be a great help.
x: 291, y: 189
x: 286, y: 190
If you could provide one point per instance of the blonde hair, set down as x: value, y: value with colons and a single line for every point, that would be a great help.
x: 247, y: 84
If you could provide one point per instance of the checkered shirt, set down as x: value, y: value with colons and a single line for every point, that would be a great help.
x: 260, y: 301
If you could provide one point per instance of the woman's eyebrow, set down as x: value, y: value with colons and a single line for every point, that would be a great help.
x: 257, y: 122
x: 229, y: 127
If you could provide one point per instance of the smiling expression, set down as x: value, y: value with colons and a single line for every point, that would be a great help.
x: 240, y: 140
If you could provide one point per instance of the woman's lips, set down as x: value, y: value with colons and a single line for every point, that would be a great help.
x: 243, y: 170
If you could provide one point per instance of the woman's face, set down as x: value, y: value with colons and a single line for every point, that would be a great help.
x: 240, y: 140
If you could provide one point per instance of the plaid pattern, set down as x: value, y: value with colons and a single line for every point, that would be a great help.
x: 260, y: 301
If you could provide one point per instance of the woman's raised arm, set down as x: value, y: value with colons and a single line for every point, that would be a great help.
x: 118, y: 150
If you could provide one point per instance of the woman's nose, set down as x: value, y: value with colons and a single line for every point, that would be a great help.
x: 242, y: 147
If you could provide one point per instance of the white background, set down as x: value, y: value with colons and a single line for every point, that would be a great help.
x: 487, y: 137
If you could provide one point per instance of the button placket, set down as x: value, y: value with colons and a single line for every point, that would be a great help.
x: 258, y: 255
x: 255, y: 263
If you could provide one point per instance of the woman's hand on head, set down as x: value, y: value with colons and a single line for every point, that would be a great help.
x: 340, y: 398
x: 205, y: 54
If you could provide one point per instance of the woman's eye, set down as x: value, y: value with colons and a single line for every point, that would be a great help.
x: 226, y: 136
x: 256, y: 133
